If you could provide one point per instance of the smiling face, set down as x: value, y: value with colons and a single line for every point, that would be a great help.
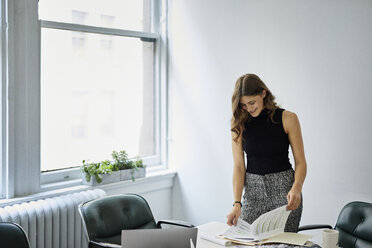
x: 253, y: 104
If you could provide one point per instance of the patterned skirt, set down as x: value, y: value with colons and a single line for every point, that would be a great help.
x: 263, y: 193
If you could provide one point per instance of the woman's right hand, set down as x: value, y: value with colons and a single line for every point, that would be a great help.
x: 233, y: 216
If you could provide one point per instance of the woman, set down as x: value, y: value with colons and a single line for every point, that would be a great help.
x: 264, y: 132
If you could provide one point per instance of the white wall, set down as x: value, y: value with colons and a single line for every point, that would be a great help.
x: 315, y: 56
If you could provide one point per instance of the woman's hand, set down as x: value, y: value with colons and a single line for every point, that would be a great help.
x: 233, y: 216
x: 294, y: 198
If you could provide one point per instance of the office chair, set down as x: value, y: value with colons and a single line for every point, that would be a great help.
x: 104, y: 218
x: 13, y: 235
x: 354, y: 224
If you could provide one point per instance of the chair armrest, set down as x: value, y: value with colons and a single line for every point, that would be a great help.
x: 174, y: 223
x: 94, y: 244
x: 311, y: 227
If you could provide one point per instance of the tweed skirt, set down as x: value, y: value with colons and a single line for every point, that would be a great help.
x: 263, y: 193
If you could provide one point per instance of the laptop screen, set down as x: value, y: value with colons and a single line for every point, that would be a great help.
x: 159, y: 238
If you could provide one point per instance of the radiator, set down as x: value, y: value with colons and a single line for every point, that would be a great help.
x: 52, y: 222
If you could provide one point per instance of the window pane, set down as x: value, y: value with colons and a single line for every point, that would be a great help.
x: 122, y: 14
x: 97, y: 96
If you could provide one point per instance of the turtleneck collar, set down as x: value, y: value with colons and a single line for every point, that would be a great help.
x: 262, y: 115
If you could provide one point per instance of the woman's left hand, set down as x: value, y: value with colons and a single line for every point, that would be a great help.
x: 293, y: 198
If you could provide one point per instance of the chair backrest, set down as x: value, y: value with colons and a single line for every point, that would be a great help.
x: 355, y: 225
x: 104, y: 218
x: 13, y: 235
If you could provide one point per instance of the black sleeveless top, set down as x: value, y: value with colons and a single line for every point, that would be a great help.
x: 266, y: 144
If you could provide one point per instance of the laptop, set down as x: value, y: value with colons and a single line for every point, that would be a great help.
x: 159, y: 238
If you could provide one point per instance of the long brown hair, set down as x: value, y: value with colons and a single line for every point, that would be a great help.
x: 249, y: 85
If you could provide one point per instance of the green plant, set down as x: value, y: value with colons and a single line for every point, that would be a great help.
x: 94, y: 169
x: 135, y: 166
x: 120, y: 162
x: 138, y: 163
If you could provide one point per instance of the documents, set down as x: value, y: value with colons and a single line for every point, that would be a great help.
x: 266, y: 225
x: 268, y: 228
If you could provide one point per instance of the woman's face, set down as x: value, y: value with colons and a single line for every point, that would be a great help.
x: 253, y: 104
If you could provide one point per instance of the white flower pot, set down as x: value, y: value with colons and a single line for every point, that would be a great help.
x: 106, y: 178
x: 127, y: 174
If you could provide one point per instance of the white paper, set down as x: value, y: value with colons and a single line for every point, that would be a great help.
x: 214, y: 239
x: 268, y: 224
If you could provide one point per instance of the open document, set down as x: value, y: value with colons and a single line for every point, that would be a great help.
x: 268, y: 228
x: 267, y: 225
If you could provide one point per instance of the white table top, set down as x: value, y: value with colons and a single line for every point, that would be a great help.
x: 211, y: 228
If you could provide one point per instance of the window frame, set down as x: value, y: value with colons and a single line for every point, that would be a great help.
x: 3, y: 105
x: 22, y: 169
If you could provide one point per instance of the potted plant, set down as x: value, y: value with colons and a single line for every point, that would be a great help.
x: 128, y: 169
x: 120, y: 169
x: 100, y: 173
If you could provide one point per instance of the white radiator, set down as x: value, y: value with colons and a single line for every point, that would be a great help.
x: 52, y: 222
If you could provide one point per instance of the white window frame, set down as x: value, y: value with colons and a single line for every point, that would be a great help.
x: 3, y: 97
x: 21, y: 174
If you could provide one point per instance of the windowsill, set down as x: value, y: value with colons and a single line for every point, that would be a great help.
x: 46, y: 187
x: 154, y: 180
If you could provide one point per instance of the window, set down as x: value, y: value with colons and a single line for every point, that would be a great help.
x: 102, y: 72
x: 97, y: 90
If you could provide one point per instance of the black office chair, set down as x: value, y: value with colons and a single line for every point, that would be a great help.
x: 12, y: 235
x: 106, y: 217
x: 354, y: 224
